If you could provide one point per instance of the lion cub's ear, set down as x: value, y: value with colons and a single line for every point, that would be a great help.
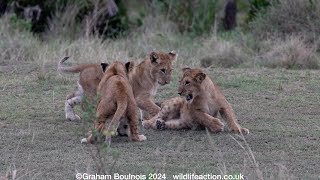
x: 129, y: 66
x: 200, y: 77
x: 185, y: 69
x: 154, y: 58
x: 104, y: 66
x: 173, y: 55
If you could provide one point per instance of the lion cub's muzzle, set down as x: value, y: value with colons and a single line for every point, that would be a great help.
x: 189, y: 97
x: 162, y: 83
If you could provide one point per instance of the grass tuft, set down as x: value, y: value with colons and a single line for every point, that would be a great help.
x: 292, y: 53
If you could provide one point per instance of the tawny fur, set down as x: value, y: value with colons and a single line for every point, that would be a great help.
x: 89, y: 78
x: 147, y: 76
x: 144, y: 79
x: 116, y: 102
x: 197, y: 107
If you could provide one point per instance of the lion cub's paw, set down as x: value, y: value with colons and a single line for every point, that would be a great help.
x: 160, y: 124
x: 142, y: 137
x: 84, y: 141
x: 146, y: 124
x: 217, y: 128
x: 139, y: 138
x: 73, y: 117
x: 243, y: 131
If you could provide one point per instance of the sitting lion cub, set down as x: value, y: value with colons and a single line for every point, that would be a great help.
x: 198, y: 107
x: 116, y: 103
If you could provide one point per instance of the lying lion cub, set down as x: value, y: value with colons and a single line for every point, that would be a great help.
x: 116, y: 102
x: 198, y: 107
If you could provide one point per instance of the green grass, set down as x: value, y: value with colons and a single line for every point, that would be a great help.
x: 284, y: 126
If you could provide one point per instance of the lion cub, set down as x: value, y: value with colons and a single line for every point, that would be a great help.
x: 198, y: 106
x: 116, y: 103
x: 89, y: 79
x: 146, y: 77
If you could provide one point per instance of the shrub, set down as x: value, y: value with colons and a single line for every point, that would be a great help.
x: 192, y: 16
x: 287, y: 17
x: 293, y: 53
x: 17, y: 43
x: 257, y: 6
x: 223, y: 54
x: 20, y: 24
x: 108, y: 18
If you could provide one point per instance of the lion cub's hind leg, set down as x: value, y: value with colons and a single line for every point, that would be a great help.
x: 72, y: 100
x: 132, y: 117
x: 172, y: 124
x: 170, y: 109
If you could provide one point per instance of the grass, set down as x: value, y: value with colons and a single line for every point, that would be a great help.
x: 39, y: 143
x: 280, y: 107
x: 292, y: 53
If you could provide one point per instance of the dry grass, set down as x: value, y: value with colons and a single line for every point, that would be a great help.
x: 16, y: 46
x: 292, y: 53
x: 287, y: 17
x: 38, y: 143
x: 222, y: 54
x: 32, y: 99
x: 157, y: 34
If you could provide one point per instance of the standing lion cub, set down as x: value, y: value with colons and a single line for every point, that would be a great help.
x: 198, y: 106
x: 89, y: 78
x: 144, y: 79
x: 116, y: 103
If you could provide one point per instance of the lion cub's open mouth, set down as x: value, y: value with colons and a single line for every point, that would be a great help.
x: 189, y: 97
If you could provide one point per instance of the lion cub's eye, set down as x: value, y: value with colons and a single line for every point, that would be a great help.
x: 163, y: 71
x: 186, y: 83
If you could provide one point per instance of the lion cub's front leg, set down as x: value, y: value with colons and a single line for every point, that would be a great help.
x: 148, y: 107
x: 228, y: 114
x: 213, y: 124
x: 133, y: 124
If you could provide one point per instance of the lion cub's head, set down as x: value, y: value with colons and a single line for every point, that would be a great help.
x: 191, y: 83
x: 162, y: 66
x: 119, y: 68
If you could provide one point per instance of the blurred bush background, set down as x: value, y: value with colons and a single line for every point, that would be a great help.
x: 224, y: 33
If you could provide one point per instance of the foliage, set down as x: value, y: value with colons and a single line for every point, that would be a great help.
x: 192, y: 16
x: 257, y: 6
x: 287, y: 18
x: 20, y: 24
x: 101, y: 22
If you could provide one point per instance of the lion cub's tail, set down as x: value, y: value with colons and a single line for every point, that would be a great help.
x: 72, y: 69
x: 122, y: 103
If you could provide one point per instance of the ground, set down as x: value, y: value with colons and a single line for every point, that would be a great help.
x: 279, y: 107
